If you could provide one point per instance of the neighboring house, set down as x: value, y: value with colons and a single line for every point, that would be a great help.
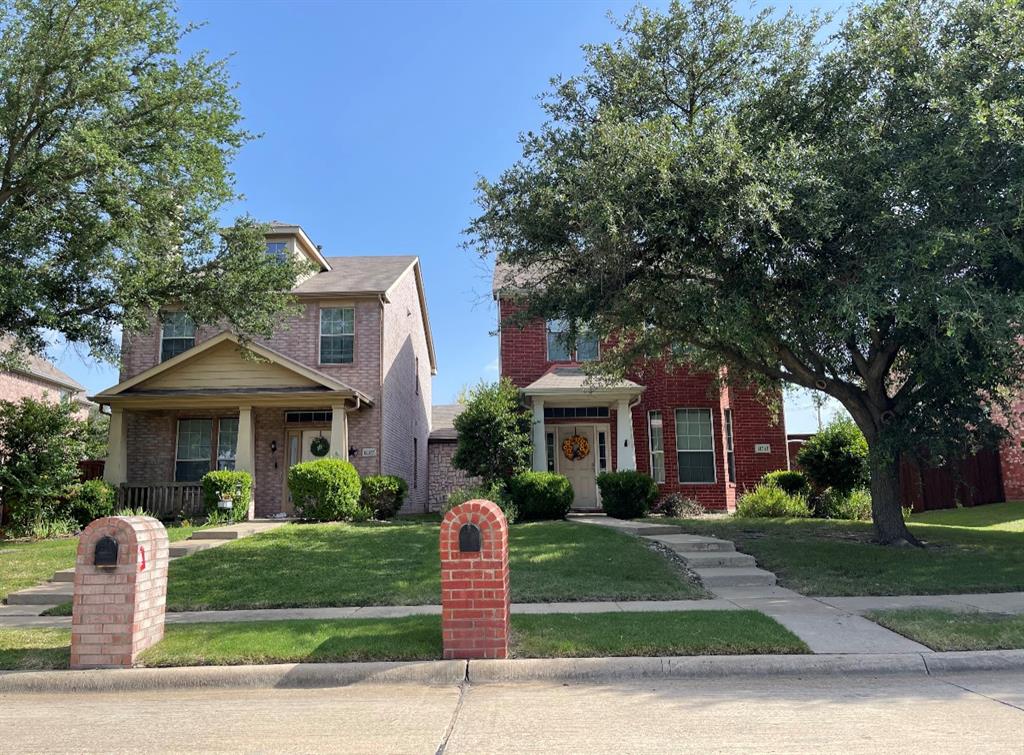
x: 37, y: 378
x: 705, y: 443
x: 349, y: 377
x: 443, y: 475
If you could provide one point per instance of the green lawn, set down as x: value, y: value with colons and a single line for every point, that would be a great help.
x: 949, y: 630
x: 27, y: 563
x: 419, y: 638
x: 398, y: 564
x: 970, y: 551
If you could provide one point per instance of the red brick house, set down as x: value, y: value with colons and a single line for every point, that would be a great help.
x: 706, y: 443
x: 348, y: 377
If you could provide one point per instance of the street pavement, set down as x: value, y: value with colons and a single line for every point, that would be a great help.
x: 971, y: 712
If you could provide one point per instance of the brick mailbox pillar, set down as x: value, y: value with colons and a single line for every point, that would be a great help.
x: 474, y: 581
x: 120, y: 591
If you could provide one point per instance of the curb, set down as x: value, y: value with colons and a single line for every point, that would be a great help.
x: 314, y: 675
x: 277, y: 676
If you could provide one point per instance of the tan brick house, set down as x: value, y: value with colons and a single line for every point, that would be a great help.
x: 348, y: 377
x: 37, y: 378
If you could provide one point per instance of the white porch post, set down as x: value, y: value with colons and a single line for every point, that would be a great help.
x: 245, y: 451
x: 339, y: 432
x: 624, y: 430
x: 540, y: 449
x: 115, y: 470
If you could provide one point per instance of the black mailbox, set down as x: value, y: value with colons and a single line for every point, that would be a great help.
x: 106, y: 552
x: 469, y: 539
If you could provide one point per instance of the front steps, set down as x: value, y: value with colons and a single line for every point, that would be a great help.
x: 60, y: 588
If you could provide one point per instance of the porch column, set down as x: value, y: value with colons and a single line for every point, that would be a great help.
x: 245, y: 452
x: 115, y: 470
x: 540, y: 449
x: 339, y: 432
x: 624, y: 430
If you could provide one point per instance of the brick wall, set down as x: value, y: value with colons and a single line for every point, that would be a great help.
x: 405, y: 393
x: 443, y: 476
x: 15, y: 386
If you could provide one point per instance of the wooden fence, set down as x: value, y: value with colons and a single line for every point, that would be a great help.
x: 972, y: 481
x: 164, y: 500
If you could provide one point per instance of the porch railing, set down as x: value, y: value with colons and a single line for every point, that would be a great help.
x: 162, y: 499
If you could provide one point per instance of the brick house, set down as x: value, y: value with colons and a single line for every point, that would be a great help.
x: 674, y: 424
x: 348, y: 377
x: 39, y: 379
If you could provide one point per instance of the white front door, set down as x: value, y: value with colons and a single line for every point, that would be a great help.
x: 308, y: 436
x: 299, y: 442
x: 580, y: 468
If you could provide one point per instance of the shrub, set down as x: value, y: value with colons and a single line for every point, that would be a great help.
x: 792, y: 482
x: 837, y: 458
x: 493, y: 492
x: 540, y: 495
x: 769, y: 501
x: 93, y: 499
x: 833, y: 504
x: 383, y: 495
x: 327, y: 490
x: 678, y: 506
x: 626, y: 495
x: 494, y: 433
x: 225, y: 483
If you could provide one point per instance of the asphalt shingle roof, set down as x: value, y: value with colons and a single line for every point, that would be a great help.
x: 357, y: 275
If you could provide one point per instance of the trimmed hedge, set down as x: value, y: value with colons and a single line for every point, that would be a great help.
x: 383, y: 495
x: 327, y: 490
x: 769, y: 501
x: 791, y: 481
x: 93, y: 500
x: 540, y: 495
x: 228, y: 483
x: 627, y: 494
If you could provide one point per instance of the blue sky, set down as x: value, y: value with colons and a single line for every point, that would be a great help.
x: 377, y: 119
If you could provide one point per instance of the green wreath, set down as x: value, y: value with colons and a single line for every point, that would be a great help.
x: 319, y: 446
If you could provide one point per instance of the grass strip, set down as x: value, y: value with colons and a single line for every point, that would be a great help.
x: 952, y: 630
x: 419, y: 638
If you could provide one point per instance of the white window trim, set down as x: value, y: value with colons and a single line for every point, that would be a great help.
x: 730, y: 446
x: 163, y: 338
x: 650, y: 445
x: 574, y: 351
x: 177, y: 444
x: 714, y: 456
x: 320, y: 336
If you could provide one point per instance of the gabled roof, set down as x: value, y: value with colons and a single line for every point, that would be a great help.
x: 324, y: 382
x: 573, y: 381
x: 376, y: 275
x: 310, y: 249
x: 40, y: 367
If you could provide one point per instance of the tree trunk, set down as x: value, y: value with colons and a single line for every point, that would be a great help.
x: 886, y: 509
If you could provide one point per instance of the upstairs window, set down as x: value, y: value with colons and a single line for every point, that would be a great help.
x: 178, y: 334
x: 562, y: 348
x: 695, y: 448
x: 337, y: 335
x: 278, y: 250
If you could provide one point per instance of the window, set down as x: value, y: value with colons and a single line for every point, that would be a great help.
x: 561, y: 348
x: 549, y: 446
x: 417, y: 376
x: 730, y: 457
x: 227, y: 442
x: 415, y: 463
x: 308, y: 417
x: 178, y: 334
x: 337, y: 335
x: 192, y: 459
x: 574, y: 412
x: 278, y: 250
x: 602, y: 452
x: 695, y: 449
x: 656, y: 438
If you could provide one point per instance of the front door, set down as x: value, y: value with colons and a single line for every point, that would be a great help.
x: 576, y: 450
x: 300, y: 449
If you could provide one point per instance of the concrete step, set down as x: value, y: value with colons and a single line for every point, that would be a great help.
x: 727, y: 577
x: 712, y: 559
x: 64, y: 575
x: 52, y: 593
x: 188, y: 547
x: 694, y: 543
x: 217, y: 533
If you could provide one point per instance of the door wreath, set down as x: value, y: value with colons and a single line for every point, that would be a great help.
x: 575, y: 447
x: 319, y: 446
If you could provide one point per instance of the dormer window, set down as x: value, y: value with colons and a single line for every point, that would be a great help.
x: 178, y: 334
x: 561, y: 347
x: 337, y: 335
x: 278, y: 250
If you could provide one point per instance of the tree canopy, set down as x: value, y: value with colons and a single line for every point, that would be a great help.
x: 115, y: 153
x: 841, y: 212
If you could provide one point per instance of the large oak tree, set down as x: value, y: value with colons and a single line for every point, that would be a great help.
x: 842, y: 213
x: 114, y: 164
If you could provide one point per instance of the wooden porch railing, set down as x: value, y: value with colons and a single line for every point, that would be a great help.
x: 162, y: 499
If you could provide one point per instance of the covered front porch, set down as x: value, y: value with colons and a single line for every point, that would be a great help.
x: 582, y: 428
x: 214, y: 408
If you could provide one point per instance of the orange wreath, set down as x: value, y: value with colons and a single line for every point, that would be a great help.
x: 575, y: 447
